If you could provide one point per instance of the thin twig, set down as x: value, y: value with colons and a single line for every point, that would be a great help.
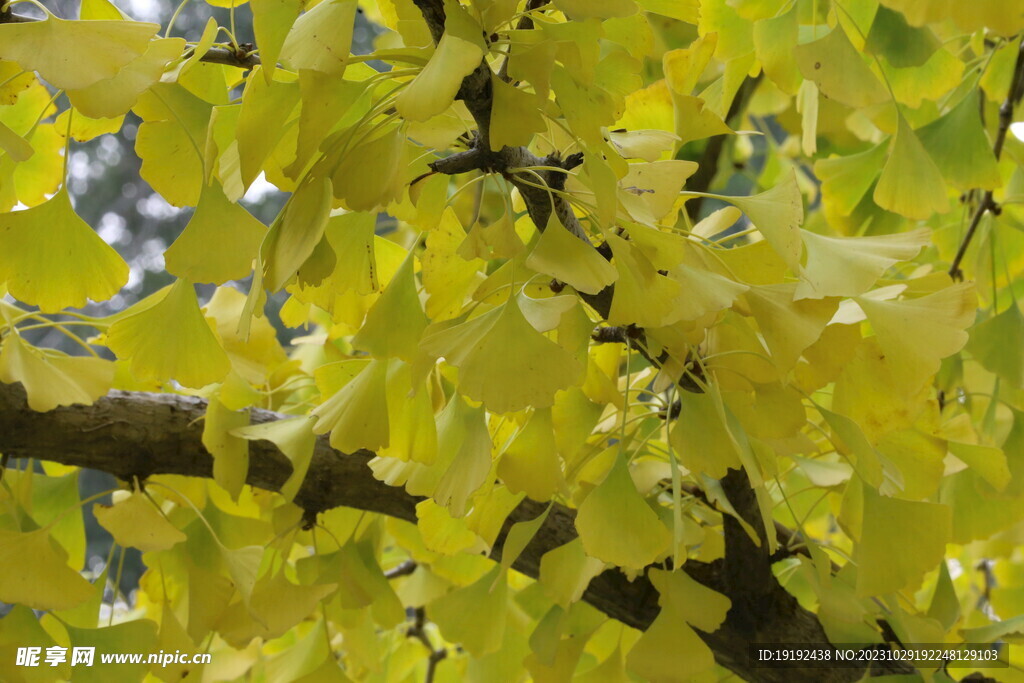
x: 987, y: 204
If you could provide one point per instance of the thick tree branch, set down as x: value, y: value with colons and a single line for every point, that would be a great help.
x: 137, y: 434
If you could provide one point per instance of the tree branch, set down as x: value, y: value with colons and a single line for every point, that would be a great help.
x: 131, y: 434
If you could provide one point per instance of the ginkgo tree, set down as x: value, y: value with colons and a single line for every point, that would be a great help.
x: 637, y: 332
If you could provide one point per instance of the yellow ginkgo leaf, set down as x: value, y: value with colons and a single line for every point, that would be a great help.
x: 567, y: 258
x: 773, y: 41
x: 566, y: 571
x: 531, y: 464
x: 788, y: 326
x: 295, y: 437
x: 700, y: 437
x: 777, y: 213
x: 114, y: 96
x: 900, y: 541
x: 271, y: 21
x: 706, y: 292
x: 218, y: 244
x: 411, y: 418
x: 505, y: 362
x: 292, y: 239
x: 40, y: 577
x: 515, y: 115
x: 266, y: 108
x: 369, y: 175
x: 135, y: 522
x: 839, y: 70
x: 357, y: 414
x: 230, y: 453
x: 617, y: 526
x: 17, y: 148
x: 651, y: 189
x: 395, y: 323
x: 911, y: 184
x: 51, y: 258
x: 916, y: 334
x: 670, y: 650
x: 643, y: 296
x: 352, y: 238
x: 447, y: 277
x: 845, y: 180
x: 84, y: 128
x: 464, y: 442
x: 170, y: 340
x: 683, y: 67
x: 74, y: 54
x: 849, y: 266
x: 53, y: 379
x: 321, y: 38
x: 458, y: 53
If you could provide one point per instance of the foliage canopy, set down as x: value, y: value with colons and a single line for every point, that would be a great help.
x: 517, y: 285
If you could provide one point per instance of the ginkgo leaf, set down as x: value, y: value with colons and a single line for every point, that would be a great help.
x: 788, y: 326
x: 778, y: 213
x: 74, y: 54
x: 271, y: 22
x: 515, y: 115
x: 266, y: 108
x: 394, y: 325
x: 617, y: 526
x: 53, y: 379
x: 845, y: 180
x: 114, y: 96
x: 849, y: 266
x: 357, y: 414
x: 670, y: 650
x: 447, y: 277
x: 462, y: 437
x: 839, y: 70
x: 706, y: 292
x: 84, y: 128
x: 243, y: 565
x: 650, y: 189
x: 40, y: 578
x: 911, y: 184
x: 170, y: 340
x: 530, y: 464
x: 219, y: 243
x: 643, y: 296
x: 321, y: 38
x: 369, y: 175
x: 900, y: 541
x: 51, y: 258
x: 989, y: 462
x: 295, y: 437
x: 957, y: 143
x: 566, y: 571
x: 352, y: 237
x: 916, y: 334
x: 569, y: 259
x: 700, y: 437
x: 458, y: 53
x: 683, y: 67
x: 16, y: 147
x: 230, y: 453
x: 506, y: 364
x: 997, y: 342
x: 773, y: 41
x: 488, y: 595
x: 413, y: 431
x: 135, y: 522
x: 292, y: 240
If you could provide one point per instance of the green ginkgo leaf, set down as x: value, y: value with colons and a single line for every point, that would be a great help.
x: 481, y: 635
x: 170, y: 340
x: 845, y: 180
x: 617, y: 526
x: 53, y: 379
x: 998, y: 344
x: 271, y: 22
x: 531, y: 464
x: 911, y: 184
x: 503, y: 361
x: 957, y: 143
x: 74, y: 54
x: 840, y: 71
x: 51, y: 258
x: 458, y: 53
x: 293, y: 239
x: 219, y: 243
